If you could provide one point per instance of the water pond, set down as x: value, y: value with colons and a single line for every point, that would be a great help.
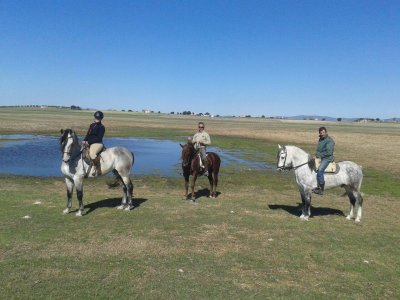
x: 38, y: 155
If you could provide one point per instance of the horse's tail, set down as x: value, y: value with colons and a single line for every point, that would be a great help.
x: 133, y: 158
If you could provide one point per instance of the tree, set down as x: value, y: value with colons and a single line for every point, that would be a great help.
x: 339, y: 119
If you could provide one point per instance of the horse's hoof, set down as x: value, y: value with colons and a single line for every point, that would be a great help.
x: 128, y: 207
x: 357, y: 221
x: 121, y: 206
x: 348, y: 217
x: 304, y: 218
x: 66, y: 211
x: 79, y: 213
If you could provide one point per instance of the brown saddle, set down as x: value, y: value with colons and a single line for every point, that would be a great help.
x: 332, y: 167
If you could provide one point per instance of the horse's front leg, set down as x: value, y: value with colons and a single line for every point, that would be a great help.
x: 306, y: 207
x: 211, y: 189
x: 70, y: 190
x: 193, y: 197
x: 186, y: 186
x: 303, y: 203
x: 79, y: 194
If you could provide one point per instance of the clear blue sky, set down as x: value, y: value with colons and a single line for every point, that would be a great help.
x: 335, y: 58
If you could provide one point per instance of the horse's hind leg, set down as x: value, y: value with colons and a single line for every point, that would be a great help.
x: 352, y: 199
x: 359, y: 202
x: 128, y: 192
x: 70, y: 189
x: 213, y: 190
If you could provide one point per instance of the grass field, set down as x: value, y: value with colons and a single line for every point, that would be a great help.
x: 248, y: 243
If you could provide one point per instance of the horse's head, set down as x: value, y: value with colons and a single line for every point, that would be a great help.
x: 281, y: 157
x: 67, y: 140
x: 187, y: 153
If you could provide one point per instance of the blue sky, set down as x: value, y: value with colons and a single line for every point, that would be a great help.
x: 272, y: 58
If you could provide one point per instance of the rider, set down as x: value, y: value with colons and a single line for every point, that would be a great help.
x: 200, y: 140
x: 94, y: 139
x: 324, y: 151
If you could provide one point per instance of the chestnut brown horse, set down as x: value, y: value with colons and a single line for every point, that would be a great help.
x: 191, y: 166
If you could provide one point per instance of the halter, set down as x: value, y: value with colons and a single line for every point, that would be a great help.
x: 291, y: 167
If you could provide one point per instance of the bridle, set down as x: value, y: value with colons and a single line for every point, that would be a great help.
x: 69, y: 152
x: 187, y: 162
x: 290, y: 167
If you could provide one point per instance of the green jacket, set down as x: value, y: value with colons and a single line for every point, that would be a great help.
x: 325, y: 148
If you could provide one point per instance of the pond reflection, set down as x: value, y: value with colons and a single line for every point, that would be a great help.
x: 37, y: 155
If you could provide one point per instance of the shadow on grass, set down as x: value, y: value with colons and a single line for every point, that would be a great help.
x: 204, y: 193
x: 315, y: 211
x: 112, y: 202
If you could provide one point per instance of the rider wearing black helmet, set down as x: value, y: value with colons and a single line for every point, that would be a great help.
x: 94, y: 139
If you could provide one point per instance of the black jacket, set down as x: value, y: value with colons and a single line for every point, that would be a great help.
x: 95, y: 133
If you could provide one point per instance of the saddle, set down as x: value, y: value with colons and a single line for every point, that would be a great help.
x: 96, y: 162
x: 331, y: 168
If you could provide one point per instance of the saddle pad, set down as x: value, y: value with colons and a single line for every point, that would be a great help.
x: 330, y: 169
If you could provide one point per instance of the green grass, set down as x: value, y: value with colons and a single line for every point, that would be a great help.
x: 248, y: 243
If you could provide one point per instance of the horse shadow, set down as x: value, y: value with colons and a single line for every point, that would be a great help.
x: 110, y: 203
x: 205, y: 192
x: 315, y: 211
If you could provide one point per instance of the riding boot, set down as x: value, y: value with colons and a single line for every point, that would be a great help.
x: 205, y: 167
x: 319, y: 189
x: 96, y: 164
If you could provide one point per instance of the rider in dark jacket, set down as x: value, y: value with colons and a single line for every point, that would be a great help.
x: 94, y: 139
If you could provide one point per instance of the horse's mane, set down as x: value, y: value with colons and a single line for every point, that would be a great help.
x: 64, y: 136
x: 311, y: 161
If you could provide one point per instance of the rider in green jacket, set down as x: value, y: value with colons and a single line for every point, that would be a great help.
x: 325, y: 148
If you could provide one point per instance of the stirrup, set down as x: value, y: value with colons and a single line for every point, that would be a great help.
x: 318, y: 191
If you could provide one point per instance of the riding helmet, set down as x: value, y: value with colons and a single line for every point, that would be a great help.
x: 98, y: 115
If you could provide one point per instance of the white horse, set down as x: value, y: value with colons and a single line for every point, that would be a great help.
x: 349, y: 176
x: 74, y: 166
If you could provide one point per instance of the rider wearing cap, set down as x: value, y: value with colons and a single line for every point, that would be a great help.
x: 94, y: 139
x: 200, y: 140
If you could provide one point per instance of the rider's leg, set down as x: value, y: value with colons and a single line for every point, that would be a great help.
x: 203, y: 155
x: 320, y: 177
x: 93, y: 152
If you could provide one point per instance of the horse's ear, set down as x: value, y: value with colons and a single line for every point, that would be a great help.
x: 180, y: 145
x: 279, y: 146
x: 62, y: 131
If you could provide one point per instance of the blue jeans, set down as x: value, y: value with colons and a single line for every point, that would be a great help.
x: 320, y: 173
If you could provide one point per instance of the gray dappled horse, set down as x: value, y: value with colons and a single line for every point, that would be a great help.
x: 119, y: 160
x: 349, y: 176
